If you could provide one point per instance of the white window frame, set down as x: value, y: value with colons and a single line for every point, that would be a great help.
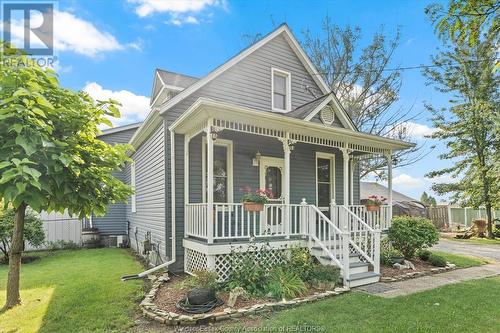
x: 133, y: 205
x: 229, y: 151
x: 288, y: 101
x: 331, y: 157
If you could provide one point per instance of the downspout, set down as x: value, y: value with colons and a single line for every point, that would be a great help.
x: 172, y: 195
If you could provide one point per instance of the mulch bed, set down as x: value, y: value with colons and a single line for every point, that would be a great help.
x: 420, y: 266
x: 171, y: 292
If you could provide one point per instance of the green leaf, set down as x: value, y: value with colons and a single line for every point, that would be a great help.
x: 5, y: 164
x: 39, y: 112
x: 17, y: 128
x: 21, y: 187
x: 28, y: 147
x: 43, y: 102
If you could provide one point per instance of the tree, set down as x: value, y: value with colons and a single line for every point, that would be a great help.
x: 358, y: 76
x: 33, y: 230
x: 50, y: 157
x: 428, y: 200
x: 464, y: 20
x: 469, y: 126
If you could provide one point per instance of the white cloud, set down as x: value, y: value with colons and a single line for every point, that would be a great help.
x: 134, y: 107
x: 180, y: 11
x: 149, y: 7
x: 71, y: 34
x: 406, y: 181
x: 418, y: 131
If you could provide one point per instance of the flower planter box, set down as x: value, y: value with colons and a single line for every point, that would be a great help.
x: 253, y: 207
x: 372, y: 208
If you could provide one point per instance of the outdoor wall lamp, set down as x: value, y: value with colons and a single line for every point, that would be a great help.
x: 214, y: 132
x: 256, y: 159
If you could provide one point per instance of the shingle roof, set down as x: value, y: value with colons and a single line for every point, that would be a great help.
x: 305, y: 109
x: 372, y: 188
x: 176, y: 79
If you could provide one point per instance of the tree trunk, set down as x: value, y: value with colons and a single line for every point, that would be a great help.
x: 16, y: 250
x: 490, y: 221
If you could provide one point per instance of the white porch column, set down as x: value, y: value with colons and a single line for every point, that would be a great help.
x: 186, y: 181
x: 345, y: 156
x: 210, y: 182
x: 389, y: 182
x: 352, y: 164
x: 286, y: 188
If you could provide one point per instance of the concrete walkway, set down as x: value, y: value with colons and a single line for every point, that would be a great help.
x: 416, y: 285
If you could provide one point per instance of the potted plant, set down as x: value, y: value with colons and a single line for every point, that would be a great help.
x: 373, y: 203
x: 255, y: 201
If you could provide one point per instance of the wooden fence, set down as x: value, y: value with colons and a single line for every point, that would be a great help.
x: 455, y: 216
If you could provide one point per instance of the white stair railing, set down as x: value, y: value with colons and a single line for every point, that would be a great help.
x: 363, y: 238
x: 326, y: 235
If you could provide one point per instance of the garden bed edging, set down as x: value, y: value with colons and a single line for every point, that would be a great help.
x: 150, y: 310
x: 412, y: 275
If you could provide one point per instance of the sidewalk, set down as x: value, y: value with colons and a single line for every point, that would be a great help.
x: 416, y: 285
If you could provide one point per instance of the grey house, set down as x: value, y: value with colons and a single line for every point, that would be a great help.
x: 265, y: 119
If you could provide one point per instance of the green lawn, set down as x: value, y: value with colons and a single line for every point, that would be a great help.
x: 464, y: 307
x: 480, y: 241
x: 74, y: 291
x: 460, y: 260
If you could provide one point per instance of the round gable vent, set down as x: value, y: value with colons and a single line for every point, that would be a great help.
x: 327, y: 115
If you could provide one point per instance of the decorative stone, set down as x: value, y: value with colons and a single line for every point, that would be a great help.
x: 233, y: 296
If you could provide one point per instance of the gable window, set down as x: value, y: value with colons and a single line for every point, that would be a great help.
x: 223, y: 170
x: 281, y: 90
x: 132, y: 184
x: 324, y: 179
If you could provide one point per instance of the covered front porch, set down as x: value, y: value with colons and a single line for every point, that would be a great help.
x: 310, y: 169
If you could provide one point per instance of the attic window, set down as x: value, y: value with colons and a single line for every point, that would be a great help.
x: 327, y: 115
x: 280, y: 90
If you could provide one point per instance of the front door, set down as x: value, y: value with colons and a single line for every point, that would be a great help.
x: 271, y: 179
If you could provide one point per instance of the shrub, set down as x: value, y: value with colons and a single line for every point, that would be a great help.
x: 437, y: 260
x: 62, y: 245
x: 410, y: 234
x: 322, y: 273
x: 284, y: 284
x: 424, y: 254
x: 201, y: 279
x: 387, y: 254
x: 250, y: 268
x: 33, y: 230
x: 301, y: 262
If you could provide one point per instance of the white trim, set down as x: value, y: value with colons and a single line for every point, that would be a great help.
x: 229, y: 157
x: 273, y: 162
x: 331, y: 157
x: 288, y: 88
x: 172, y: 194
x: 119, y: 129
x: 327, y: 100
x: 204, y: 107
x: 133, y: 203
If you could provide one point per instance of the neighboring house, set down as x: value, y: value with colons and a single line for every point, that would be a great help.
x: 264, y: 119
x: 401, y: 203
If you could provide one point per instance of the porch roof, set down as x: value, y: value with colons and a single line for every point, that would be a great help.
x: 232, y: 117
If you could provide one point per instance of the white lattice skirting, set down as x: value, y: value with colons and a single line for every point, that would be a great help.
x: 221, y: 263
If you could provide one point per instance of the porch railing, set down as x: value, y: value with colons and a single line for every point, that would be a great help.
x: 380, y: 219
x: 232, y: 221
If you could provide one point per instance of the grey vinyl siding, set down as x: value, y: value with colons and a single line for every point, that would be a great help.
x: 118, y: 137
x: 247, y: 84
x: 150, y: 193
x: 302, y: 166
x: 115, y: 220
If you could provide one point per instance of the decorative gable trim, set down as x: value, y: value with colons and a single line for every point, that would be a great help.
x: 345, y: 120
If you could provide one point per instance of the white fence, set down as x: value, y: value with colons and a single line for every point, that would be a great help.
x: 59, y: 227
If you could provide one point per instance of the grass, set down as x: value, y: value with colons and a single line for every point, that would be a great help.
x: 480, y: 241
x: 74, y: 290
x: 461, y: 261
x: 464, y: 307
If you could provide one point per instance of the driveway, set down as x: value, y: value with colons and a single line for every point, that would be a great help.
x: 475, y: 250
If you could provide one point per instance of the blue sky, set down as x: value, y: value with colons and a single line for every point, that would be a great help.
x: 111, y: 48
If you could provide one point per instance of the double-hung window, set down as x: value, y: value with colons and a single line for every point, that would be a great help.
x: 281, y: 90
x: 324, y: 179
x: 223, y: 171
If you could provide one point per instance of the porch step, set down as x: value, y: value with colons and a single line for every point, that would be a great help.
x: 360, y: 279
x: 358, y: 267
